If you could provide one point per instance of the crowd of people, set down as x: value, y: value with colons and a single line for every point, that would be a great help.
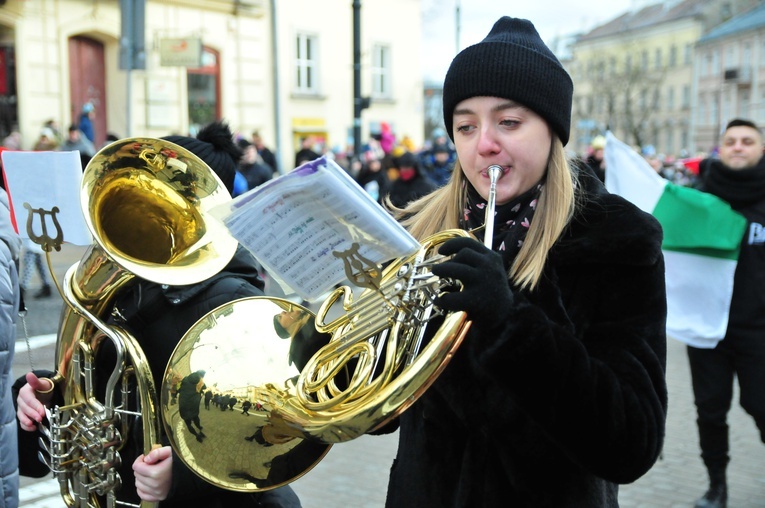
x: 682, y: 171
x: 564, y: 362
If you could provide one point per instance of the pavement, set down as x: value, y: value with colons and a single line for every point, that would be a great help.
x: 355, y: 474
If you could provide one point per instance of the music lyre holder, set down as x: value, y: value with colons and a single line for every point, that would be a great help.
x: 44, y: 240
x: 361, y: 272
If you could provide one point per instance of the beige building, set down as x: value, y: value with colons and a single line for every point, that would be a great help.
x: 634, y: 75
x: 315, y: 58
x: 284, y: 68
x: 730, y: 76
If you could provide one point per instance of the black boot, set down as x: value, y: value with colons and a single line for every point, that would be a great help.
x: 44, y: 292
x: 717, y: 495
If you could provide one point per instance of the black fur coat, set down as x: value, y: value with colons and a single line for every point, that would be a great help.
x: 569, y: 398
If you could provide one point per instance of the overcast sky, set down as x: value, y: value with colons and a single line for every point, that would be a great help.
x: 552, y: 18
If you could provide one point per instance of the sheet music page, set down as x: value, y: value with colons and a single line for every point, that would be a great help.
x: 297, y: 224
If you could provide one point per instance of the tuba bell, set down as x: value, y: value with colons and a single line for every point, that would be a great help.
x: 146, y: 203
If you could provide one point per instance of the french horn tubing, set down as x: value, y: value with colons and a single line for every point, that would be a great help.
x: 357, y: 364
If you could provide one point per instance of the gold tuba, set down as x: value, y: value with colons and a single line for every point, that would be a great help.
x: 146, y: 202
x: 320, y: 379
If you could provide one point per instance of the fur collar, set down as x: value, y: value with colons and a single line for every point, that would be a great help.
x: 606, y: 228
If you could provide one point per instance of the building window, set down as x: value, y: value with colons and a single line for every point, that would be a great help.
x: 730, y: 57
x: 658, y: 63
x: 703, y: 113
x: 708, y: 65
x: 670, y: 140
x: 670, y: 98
x: 673, y: 56
x: 743, y: 104
x: 688, y: 54
x: 306, y: 64
x: 204, y: 91
x: 686, y: 96
x: 381, y: 69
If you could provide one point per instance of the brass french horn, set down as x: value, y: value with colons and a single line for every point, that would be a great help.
x: 146, y: 202
x: 330, y: 378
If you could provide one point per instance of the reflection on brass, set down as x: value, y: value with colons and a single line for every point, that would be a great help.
x: 250, y: 350
x: 147, y: 224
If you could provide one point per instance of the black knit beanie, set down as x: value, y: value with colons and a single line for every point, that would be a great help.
x: 215, y: 145
x: 512, y: 62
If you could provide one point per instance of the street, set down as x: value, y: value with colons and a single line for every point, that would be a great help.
x: 355, y: 474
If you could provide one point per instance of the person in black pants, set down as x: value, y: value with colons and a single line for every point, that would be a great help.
x: 738, y: 177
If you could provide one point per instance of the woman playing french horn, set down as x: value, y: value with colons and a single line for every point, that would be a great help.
x: 557, y: 394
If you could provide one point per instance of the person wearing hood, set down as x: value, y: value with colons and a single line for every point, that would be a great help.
x: 412, y: 183
x: 557, y: 393
x: 158, y: 316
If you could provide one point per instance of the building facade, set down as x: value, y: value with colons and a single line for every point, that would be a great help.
x: 282, y: 68
x: 316, y: 63
x: 730, y: 76
x: 634, y: 75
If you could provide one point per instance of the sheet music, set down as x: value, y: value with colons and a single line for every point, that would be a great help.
x: 294, y: 225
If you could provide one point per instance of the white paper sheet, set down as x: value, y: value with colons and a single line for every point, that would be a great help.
x: 296, y: 225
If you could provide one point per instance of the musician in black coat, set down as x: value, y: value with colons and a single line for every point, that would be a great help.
x: 412, y: 182
x: 557, y: 394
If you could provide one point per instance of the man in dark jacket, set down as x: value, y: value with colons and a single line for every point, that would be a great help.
x: 265, y: 153
x: 738, y: 177
x: 254, y: 170
x: 412, y: 182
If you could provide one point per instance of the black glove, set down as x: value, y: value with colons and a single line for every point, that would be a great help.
x: 486, y: 295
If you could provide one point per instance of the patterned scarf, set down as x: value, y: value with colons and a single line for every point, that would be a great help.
x: 511, y: 220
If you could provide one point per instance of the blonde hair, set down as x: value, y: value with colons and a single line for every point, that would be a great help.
x: 443, y: 208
